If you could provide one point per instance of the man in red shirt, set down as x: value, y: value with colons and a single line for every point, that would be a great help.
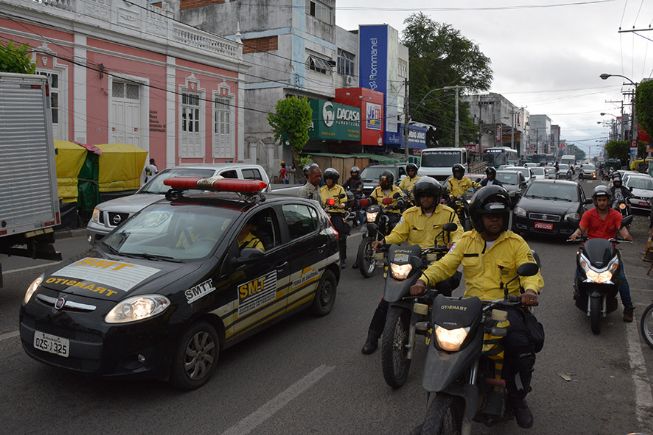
x: 603, y: 222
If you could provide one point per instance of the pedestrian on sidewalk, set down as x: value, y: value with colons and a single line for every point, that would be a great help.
x: 151, y: 170
x: 283, y: 174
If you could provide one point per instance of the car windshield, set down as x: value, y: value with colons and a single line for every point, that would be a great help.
x: 374, y: 172
x: 171, y: 232
x: 441, y: 159
x: 563, y: 166
x: 508, y: 177
x: 640, y: 183
x: 156, y: 184
x: 537, y: 171
x: 524, y: 171
x: 553, y: 192
x: 589, y: 167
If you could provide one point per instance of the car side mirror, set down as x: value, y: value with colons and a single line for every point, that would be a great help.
x: 588, y: 201
x: 528, y: 269
x: 247, y: 255
x: 450, y: 227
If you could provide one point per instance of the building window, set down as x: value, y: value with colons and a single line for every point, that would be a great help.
x: 222, y: 128
x: 318, y: 64
x: 320, y: 11
x: 346, y: 62
x: 53, y: 82
x: 191, y: 137
x: 403, y: 68
x: 257, y: 45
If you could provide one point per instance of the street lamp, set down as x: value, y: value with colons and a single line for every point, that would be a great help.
x: 605, y: 76
x: 457, y: 129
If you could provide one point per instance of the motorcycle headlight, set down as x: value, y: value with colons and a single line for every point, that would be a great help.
x: 371, y: 217
x: 622, y: 206
x: 400, y: 271
x: 572, y: 216
x: 137, y: 308
x: 519, y: 212
x: 599, y: 277
x: 32, y: 288
x: 450, y: 339
x: 95, y: 217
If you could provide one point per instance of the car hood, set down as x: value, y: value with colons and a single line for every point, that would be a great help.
x: 642, y: 193
x: 98, y: 275
x: 130, y: 204
x: 537, y: 205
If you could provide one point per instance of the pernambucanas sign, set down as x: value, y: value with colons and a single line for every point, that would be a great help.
x: 335, y: 121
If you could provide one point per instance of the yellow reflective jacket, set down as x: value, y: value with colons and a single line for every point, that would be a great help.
x: 251, y: 241
x: 459, y: 187
x: 378, y: 194
x: 419, y: 229
x: 485, y: 269
x: 334, y: 192
x: 408, y: 184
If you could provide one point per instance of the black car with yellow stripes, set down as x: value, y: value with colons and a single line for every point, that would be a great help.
x: 175, y: 285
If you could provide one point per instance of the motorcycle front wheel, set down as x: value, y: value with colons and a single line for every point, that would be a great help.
x: 595, y: 315
x: 646, y: 325
x: 365, y: 258
x: 394, y: 347
x: 444, y: 415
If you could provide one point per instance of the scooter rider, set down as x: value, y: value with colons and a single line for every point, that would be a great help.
x: 354, y: 183
x: 419, y: 225
x: 408, y: 183
x: 337, y: 212
x: 490, y: 255
x: 387, y: 189
x: 490, y: 178
x: 458, y: 184
x: 604, y: 222
x: 618, y: 191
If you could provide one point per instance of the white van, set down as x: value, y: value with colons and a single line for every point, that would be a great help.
x: 109, y: 214
x: 437, y: 162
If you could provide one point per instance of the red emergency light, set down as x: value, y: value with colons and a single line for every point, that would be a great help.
x: 216, y: 185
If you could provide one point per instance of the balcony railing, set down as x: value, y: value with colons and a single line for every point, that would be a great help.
x: 136, y: 18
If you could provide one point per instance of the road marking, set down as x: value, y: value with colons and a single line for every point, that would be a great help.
x: 258, y: 417
x: 29, y: 268
x: 643, y: 396
x: 8, y: 335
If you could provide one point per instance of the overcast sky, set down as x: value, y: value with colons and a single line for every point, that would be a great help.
x: 548, y: 59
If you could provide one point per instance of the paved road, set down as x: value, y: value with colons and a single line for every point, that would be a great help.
x: 307, y: 375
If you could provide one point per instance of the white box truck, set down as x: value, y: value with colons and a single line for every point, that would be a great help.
x: 29, y: 205
x: 437, y: 162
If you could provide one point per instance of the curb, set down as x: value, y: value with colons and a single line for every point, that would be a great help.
x: 66, y: 234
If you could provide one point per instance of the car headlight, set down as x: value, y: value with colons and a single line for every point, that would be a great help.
x: 95, y: 217
x: 520, y: 212
x: 32, y: 288
x: 572, y: 216
x: 400, y: 271
x: 450, y: 339
x: 137, y: 308
x: 371, y: 217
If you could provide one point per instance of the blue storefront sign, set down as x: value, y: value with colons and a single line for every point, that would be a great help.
x: 373, y: 57
x: 416, y: 137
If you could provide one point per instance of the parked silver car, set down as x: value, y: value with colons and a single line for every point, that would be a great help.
x: 109, y: 214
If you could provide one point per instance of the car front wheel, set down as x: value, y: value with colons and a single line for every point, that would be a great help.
x: 196, y: 356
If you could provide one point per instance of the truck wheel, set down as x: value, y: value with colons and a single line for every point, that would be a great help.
x: 196, y: 356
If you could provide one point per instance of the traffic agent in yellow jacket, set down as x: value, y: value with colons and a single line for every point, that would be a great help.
x: 334, y: 192
x: 393, y: 193
x: 458, y: 188
x: 407, y: 184
x: 419, y: 229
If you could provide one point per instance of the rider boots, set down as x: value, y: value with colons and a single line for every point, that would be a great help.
x: 628, y: 314
x: 522, y: 412
x: 371, y: 343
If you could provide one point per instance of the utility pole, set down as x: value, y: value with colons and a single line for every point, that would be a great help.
x: 457, y: 134
x: 406, y: 117
x: 621, y: 131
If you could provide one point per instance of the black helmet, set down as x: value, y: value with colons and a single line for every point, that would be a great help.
x: 489, y: 200
x: 601, y: 191
x: 354, y: 169
x: 458, y: 168
x: 427, y: 186
x: 386, y: 177
x: 490, y: 170
x: 330, y: 173
x: 411, y: 167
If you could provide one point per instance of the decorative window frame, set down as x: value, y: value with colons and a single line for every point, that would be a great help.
x: 192, y: 85
x: 41, y: 55
x: 144, y: 101
x: 224, y: 91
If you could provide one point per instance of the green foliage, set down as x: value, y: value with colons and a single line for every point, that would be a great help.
x: 644, y: 105
x: 617, y: 149
x: 16, y: 59
x: 441, y: 56
x: 573, y: 149
x: 291, y: 121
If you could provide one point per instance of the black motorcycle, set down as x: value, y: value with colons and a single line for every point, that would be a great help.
x: 462, y: 372
x: 595, y: 290
x: 461, y: 207
x: 379, y: 224
x: 404, y: 267
x: 622, y: 206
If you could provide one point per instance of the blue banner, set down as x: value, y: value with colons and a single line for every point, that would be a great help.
x: 416, y: 137
x: 373, y: 56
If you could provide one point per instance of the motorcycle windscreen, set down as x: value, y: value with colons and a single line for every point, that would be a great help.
x: 599, y: 252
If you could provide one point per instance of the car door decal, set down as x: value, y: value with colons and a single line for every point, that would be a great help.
x: 257, y: 292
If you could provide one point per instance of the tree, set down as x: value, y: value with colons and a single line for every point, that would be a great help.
x: 441, y: 56
x: 290, y: 123
x: 644, y: 105
x: 16, y: 59
x: 573, y: 149
x: 617, y: 149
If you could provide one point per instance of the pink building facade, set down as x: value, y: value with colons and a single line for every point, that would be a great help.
x: 126, y: 72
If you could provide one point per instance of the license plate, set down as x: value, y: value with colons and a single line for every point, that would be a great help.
x: 51, y: 343
x: 543, y: 226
